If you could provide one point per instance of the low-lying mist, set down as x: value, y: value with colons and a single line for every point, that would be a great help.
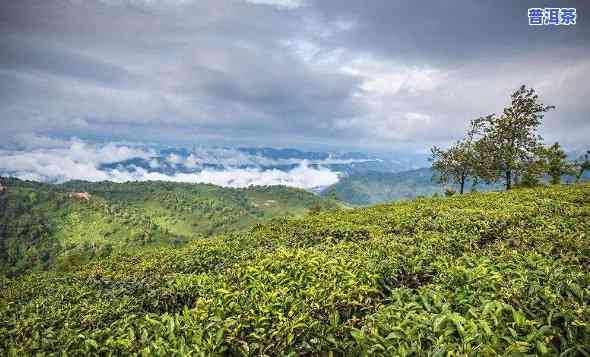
x: 78, y: 160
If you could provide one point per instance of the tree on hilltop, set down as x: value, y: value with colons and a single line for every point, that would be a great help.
x: 509, y: 143
x: 458, y: 162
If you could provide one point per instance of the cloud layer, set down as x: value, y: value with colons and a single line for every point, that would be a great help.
x: 77, y: 160
x: 378, y: 75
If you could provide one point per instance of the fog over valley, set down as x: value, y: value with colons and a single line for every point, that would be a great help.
x: 63, y: 160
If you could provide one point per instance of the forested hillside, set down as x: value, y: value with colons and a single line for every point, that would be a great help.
x: 501, y: 273
x: 43, y: 225
x: 375, y: 187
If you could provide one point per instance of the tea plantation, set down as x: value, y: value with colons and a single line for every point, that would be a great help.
x: 45, y: 226
x: 483, y: 274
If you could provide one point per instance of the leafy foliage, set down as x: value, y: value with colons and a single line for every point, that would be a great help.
x: 510, y: 141
x: 45, y: 226
x: 459, y: 162
x: 506, y: 147
x: 556, y: 163
x: 477, y: 274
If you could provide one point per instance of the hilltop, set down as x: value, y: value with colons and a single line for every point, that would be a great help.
x: 45, y: 225
x: 478, y: 274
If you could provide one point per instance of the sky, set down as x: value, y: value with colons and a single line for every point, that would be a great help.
x: 373, y: 76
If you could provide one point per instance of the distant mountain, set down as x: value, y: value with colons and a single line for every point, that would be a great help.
x: 375, y: 187
x: 170, y: 161
x: 344, y: 162
x: 286, y: 154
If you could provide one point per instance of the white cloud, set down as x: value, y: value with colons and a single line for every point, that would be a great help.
x: 78, y: 160
x: 302, y: 176
x: 66, y: 160
x: 386, y: 78
x: 49, y: 166
x: 82, y: 152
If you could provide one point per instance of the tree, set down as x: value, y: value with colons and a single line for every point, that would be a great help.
x: 458, y: 162
x: 556, y: 163
x: 510, y: 141
x: 533, y: 170
x: 582, y: 165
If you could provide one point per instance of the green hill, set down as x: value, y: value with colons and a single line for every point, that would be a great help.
x: 376, y: 187
x: 44, y: 225
x: 480, y: 274
x: 373, y: 187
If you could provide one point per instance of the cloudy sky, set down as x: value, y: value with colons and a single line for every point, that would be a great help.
x: 374, y: 75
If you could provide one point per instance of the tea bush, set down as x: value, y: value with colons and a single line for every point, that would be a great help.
x: 478, y: 274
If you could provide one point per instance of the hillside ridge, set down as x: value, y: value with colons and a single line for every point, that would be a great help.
x: 46, y: 226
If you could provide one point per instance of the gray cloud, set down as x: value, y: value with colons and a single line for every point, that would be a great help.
x: 377, y: 75
x: 449, y: 34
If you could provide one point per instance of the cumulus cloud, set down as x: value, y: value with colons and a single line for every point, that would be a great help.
x: 66, y: 160
x: 301, y: 176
